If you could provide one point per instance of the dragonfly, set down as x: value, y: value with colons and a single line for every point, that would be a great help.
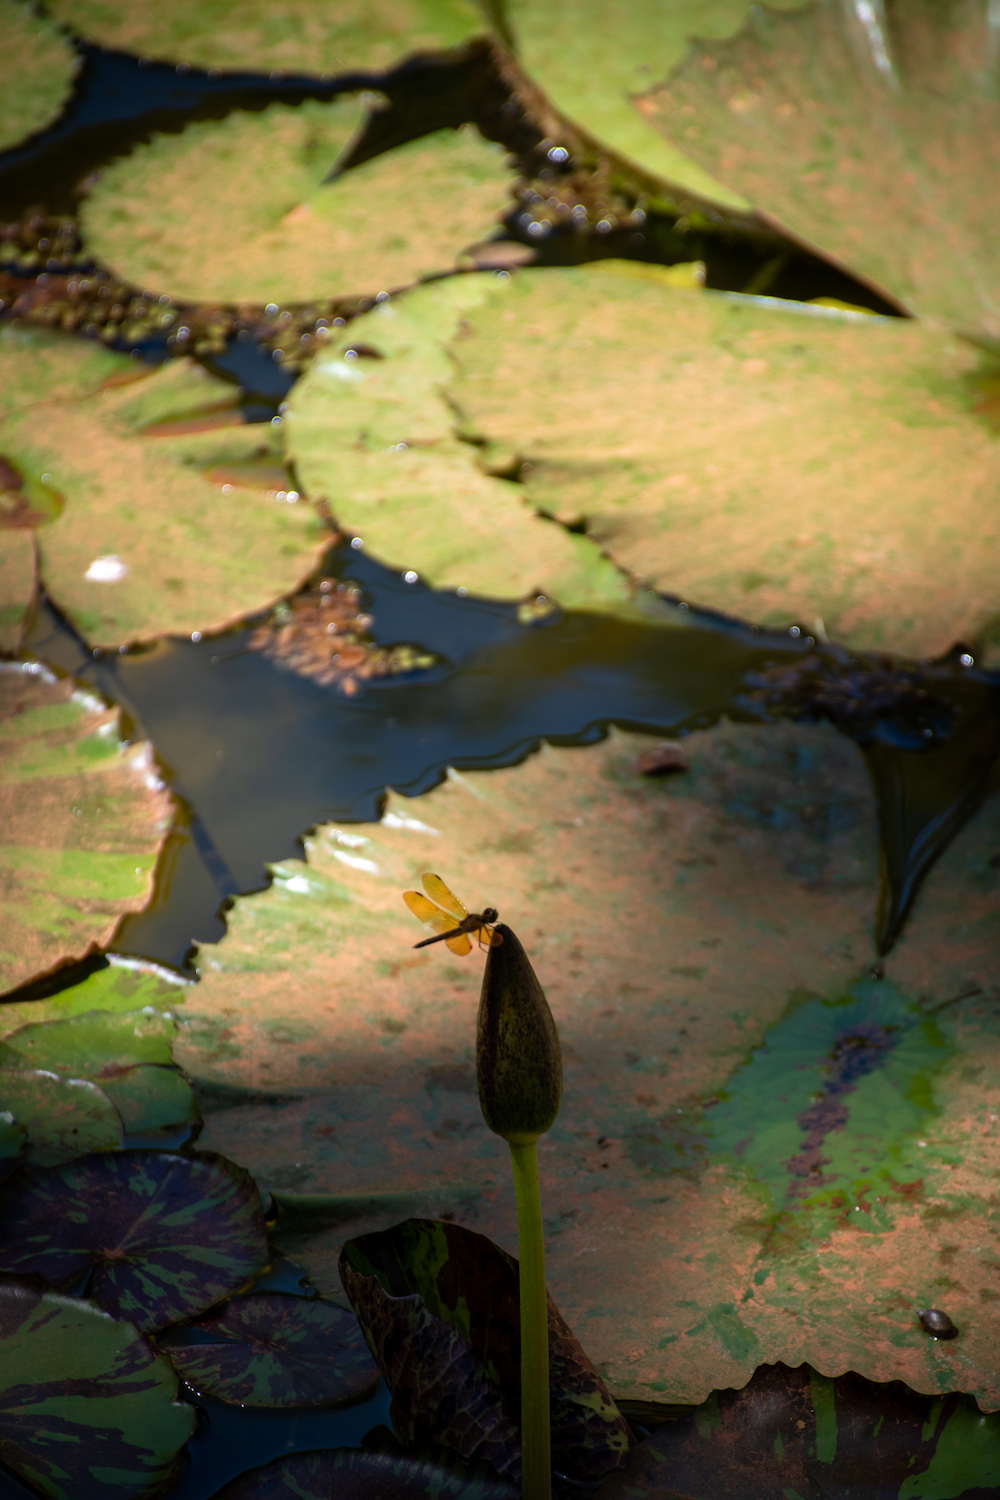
x: 451, y: 922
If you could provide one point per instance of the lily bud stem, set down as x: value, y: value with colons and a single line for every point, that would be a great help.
x: 536, y: 1444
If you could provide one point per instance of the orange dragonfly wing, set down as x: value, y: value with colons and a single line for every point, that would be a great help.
x: 487, y: 936
x: 459, y: 944
x: 439, y: 892
x: 426, y: 911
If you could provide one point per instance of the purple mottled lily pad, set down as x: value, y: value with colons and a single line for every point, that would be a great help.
x: 361, y: 1474
x: 168, y: 1235
x: 86, y: 1408
x: 440, y: 1308
x: 274, y: 1350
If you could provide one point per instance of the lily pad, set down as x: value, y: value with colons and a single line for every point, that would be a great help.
x: 276, y: 1351
x: 13, y: 1143
x: 368, y: 1474
x: 85, y: 1406
x: 37, y: 68
x: 173, y: 1234
x: 82, y: 823
x: 63, y: 1117
x: 798, y: 1432
x: 17, y: 587
x: 705, y: 942
x: 786, y: 115
x: 146, y: 544
x: 298, y: 37
x: 441, y: 1310
x: 779, y: 462
x: 270, y: 229
x: 118, y: 988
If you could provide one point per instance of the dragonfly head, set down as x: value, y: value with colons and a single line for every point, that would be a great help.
x: 490, y: 914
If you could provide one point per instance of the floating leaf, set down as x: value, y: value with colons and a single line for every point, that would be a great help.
x: 81, y: 823
x: 93, y: 1045
x: 13, y: 1143
x: 37, y: 66
x: 441, y: 1311
x: 64, y: 1117
x: 367, y: 1474
x: 797, y: 1432
x: 269, y: 229
x: 172, y: 1235
x: 787, y: 114
x: 85, y: 1406
x: 299, y: 37
x: 146, y: 543
x: 17, y: 586
x: 700, y: 937
x: 275, y: 1351
x: 117, y: 988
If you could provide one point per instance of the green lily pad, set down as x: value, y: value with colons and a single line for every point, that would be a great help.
x: 37, y: 68
x: 269, y: 229
x: 115, y: 989
x: 85, y: 1406
x: 275, y: 1351
x: 82, y: 823
x: 13, y: 1143
x: 17, y: 586
x: 701, y: 937
x: 297, y: 37
x: 367, y: 1474
x: 786, y: 114
x: 63, y: 1117
x: 441, y: 1311
x: 173, y: 1234
x: 146, y: 544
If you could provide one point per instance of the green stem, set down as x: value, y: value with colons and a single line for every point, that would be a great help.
x: 536, y: 1461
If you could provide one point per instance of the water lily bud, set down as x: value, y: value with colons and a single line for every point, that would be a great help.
x: 518, y: 1061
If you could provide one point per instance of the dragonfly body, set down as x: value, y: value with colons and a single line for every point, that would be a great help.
x: 452, y: 923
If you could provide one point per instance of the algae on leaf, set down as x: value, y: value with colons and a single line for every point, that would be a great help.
x: 879, y: 152
x: 239, y: 210
x: 37, y: 67
x: 297, y: 36
x: 82, y: 821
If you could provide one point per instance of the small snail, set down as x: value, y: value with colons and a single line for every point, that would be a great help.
x: 937, y: 1323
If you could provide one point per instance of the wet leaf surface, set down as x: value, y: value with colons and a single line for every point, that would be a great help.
x: 64, y: 1117
x: 37, y: 66
x: 786, y: 115
x: 269, y: 230
x: 146, y: 544
x: 85, y: 1406
x: 440, y: 1308
x: 295, y: 37
x: 81, y: 823
x: 276, y: 1351
x: 174, y: 1234
x: 700, y: 937
x: 360, y: 1474
x: 798, y: 1432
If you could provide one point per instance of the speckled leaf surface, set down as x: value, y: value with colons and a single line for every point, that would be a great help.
x: 769, y: 461
x: 796, y: 1432
x: 268, y: 229
x: 367, y: 1474
x: 376, y: 438
x: 439, y: 1306
x: 877, y: 150
x: 146, y: 544
x: 297, y: 37
x: 17, y: 586
x: 174, y: 1234
x: 82, y: 820
x: 85, y: 1406
x: 37, y: 67
x: 63, y: 1117
x: 275, y: 1351
x: 678, y: 927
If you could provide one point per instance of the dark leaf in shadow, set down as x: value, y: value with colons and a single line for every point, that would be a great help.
x: 359, y: 1474
x: 13, y: 1142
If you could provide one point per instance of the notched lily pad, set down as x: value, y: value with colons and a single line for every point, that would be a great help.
x: 37, y: 67
x: 276, y: 1351
x: 174, y: 1234
x: 63, y: 1117
x: 270, y: 228
x: 796, y: 1432
x: 440, y: 1308
x: 370, y: 1474
x: 85, y: 1407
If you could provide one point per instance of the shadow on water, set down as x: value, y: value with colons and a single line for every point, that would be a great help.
x: 260, y: 755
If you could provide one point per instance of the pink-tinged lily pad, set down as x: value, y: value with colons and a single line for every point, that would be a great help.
x: 274, y: 1350
x: 168, y: 1236
x: 64, y: 1117
x: 86, y: 1408
x: 359, y: 1474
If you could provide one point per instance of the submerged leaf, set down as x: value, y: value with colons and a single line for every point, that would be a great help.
x: 368, y: 1474
x: 441, y: 1312
x: 269, y: 228
x: 168, y: 1235
x: 64, y: 1117
x: 37, y: 66
x: 275, y: 1351
x: 85, y: 1407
